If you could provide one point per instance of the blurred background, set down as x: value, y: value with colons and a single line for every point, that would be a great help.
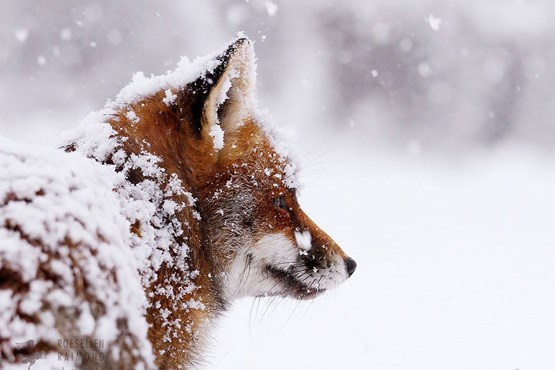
x: 426, y: 131
x: 419, y: 75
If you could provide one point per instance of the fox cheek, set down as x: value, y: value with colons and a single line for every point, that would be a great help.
x: 280, y: 220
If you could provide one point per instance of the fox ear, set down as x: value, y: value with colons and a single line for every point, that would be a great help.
x: 226, y: 92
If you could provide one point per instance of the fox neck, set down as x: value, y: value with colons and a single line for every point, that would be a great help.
x: 185, y: 291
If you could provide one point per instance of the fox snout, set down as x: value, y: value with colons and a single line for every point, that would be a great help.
x: 322, y: 252
x: 294, y: 257
x: 318, y: 246
x: 307, y: 265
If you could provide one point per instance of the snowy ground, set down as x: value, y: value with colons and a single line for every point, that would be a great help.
x: 456, y: 266
x: 456, y: 270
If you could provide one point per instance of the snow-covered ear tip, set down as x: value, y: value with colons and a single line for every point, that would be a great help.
x: 236, y: 58
x: 238, y: 43
x: 239, y: 48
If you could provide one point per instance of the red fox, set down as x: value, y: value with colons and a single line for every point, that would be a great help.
x: 173, y: 201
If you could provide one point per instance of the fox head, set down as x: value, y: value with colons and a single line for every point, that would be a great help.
x: 253, y: 232
x: 264, y: 243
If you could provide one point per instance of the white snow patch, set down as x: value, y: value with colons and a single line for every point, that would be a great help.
x: 195, y: 304
x: 132, y: 116
x: 86, y: 321
x: 304, y: 240
x: 169, y: 97
x: 217, y: 135
x: 433, y: 21
x: 222, y: 95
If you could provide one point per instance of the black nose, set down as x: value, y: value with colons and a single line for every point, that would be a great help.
x: 351, y: 265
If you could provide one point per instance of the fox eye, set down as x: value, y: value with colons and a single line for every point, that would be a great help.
x: 280, y: 202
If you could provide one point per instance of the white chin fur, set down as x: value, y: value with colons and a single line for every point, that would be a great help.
x: 248, y: 274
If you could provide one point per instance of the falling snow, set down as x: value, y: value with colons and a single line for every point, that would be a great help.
x: 271, y: 8
x: 434, y: 22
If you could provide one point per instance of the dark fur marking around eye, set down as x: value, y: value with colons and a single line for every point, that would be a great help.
x: 280, y: 202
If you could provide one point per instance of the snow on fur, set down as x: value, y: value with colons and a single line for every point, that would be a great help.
x: 280, y: 139
x: 53, y: 225
x: 142, y: 87
x: 151, y: 205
